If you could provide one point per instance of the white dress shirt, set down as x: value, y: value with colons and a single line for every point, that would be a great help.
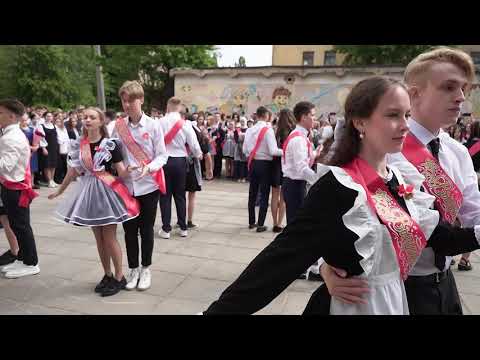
x: 63, y: 141
x: 296, y: 165
x: 457, y: 163
x: 110, y: 127
x: 186, y: 135
x: 149, y: 135
x: 268, y: 147
x: 14, y: 153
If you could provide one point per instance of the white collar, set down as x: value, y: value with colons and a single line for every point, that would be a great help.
x: 301, y: 129
x: 10, y: 127
x: 421, y: 133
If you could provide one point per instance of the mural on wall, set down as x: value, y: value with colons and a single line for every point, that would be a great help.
x: 229, y: 98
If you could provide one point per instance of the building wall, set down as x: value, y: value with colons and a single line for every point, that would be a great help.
x: 245, y: 89
x: 285, y: 55
x: 236, y: 90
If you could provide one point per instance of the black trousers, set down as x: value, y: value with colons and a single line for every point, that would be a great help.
x: 144, y: 222
x: 429, y: 295
x: 61, y: 170
x: 260, y: 180
x: 294, y: 192
x: 217, y: 166
x: 175, y: 176
x: 19, y: 220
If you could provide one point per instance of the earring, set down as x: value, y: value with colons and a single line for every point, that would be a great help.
x: 362, y: 134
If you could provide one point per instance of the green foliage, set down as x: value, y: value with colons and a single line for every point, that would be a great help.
x: 54, y: 75
x: 381, y: 54
x: 150, y: 64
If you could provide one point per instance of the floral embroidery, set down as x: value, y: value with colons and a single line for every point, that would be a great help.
x: 145, y: 136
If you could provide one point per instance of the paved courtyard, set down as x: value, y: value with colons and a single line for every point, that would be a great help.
x: 187, y: 274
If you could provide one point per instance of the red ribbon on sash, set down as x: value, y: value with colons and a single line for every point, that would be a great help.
x: 261, y: 135
x: 448, y: 198
x: 295, y: 134
x: 407, y: 237
x: 131, y: 204
x: 138, y: 153
x: 173, y: 131
x: 474, y: 149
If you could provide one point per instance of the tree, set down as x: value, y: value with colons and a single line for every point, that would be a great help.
x: 53, y: 75
x: 380, y: 54
x: 150, y: 64
x: 241, y: 62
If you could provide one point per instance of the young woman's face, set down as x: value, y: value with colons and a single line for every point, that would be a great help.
x: 24, y: 120
x: 49, y: 117
x: 386, y: 129
x: 73, y: 122
x: 91, y: 120
x: 59, y: 122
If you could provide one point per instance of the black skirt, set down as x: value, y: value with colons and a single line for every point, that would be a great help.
x: 191, y: 182
x: 277, y: 174
x: 50, y: 161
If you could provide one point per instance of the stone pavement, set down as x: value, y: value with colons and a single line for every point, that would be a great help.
x: 187, y: 274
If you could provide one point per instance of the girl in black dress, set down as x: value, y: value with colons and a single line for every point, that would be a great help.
x: 285, y: 124
x: 50, y: 152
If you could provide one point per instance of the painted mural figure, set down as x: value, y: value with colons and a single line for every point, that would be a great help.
x: 280, y: 99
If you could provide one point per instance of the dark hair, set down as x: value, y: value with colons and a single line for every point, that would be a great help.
x: 475, y: 130
x: 13, y: 106
x: 262, y: 111
x: 361, y: 102
x: 302, y: 108
x: 285, y: 124
x: 111, y: 114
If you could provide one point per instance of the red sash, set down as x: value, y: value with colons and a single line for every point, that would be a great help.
x: 261, y: 135
x: 174, y: 131
x: 292, y: 135
x: 448, y: 198
x: 27, y: 193
x: 407, y: 237
x: 474, y: 149
x: 108, y: 179
x: 138, y: 153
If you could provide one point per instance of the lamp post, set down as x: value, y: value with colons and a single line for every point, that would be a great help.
x: 100, y: 86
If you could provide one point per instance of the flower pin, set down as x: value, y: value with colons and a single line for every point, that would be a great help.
x: 405, y: 191
x: 97, y: 148
x: 145, y: 136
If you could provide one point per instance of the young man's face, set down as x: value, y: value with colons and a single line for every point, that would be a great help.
x: 133, y: 107
x: 438, y: 101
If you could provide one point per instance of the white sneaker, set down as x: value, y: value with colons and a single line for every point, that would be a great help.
x: 145, y: 279
x: 164, y: 234
x: 183, y: 233
x: 52, y: 185
x: 23, y: 270
x: 132, y: 278
x: 11, y: 266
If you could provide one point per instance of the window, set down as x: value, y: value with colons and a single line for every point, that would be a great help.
x: 476, y: 57
x: 330, y: 58
x: 308, y: 58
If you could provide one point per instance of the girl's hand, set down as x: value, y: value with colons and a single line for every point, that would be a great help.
x: 45, y: 151
x: 53, y: 195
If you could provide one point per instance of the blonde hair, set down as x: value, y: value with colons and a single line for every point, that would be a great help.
x: 418, y: 66
x: 173, y: 104
x: 132, y: 89
x: 103, y: 128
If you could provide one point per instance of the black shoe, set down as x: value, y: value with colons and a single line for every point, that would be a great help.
x: 103, y: 283
x: 464, y: 265
x: 261, y: 228
x: 277, y: 229
x: 1, y: 226
x: 303, y: 276
x: 35, y: 187
x: 452, y: 262
x: 191, y: 225
x: 252, y: 226
x: 114, y: 286
x: 7, y: 258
